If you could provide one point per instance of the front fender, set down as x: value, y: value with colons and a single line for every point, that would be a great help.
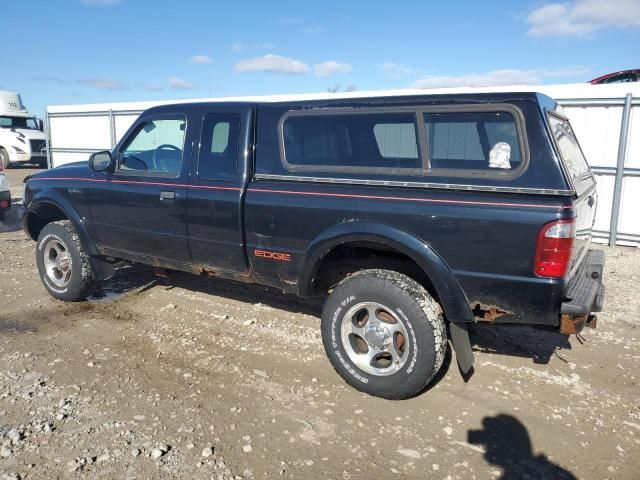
x: 50, y: 197
x: 453, y: 299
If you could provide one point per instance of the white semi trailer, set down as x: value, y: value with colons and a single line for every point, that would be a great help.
x: 21, y: 134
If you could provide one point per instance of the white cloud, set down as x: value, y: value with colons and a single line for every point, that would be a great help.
x: 100, y: 3
x: 325, y: 69
x: 103, y: 83
x: 582, y: 17
x: 273, y: 63
x: 498, y: 78
x: 200, y: 59
x: 180, y: 84
x: 395, y: 70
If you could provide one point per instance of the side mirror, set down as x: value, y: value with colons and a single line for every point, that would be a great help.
x: 40, y: 124
x: 101, y: 161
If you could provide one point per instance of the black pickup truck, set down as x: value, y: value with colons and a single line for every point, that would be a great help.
x: 413, y: 215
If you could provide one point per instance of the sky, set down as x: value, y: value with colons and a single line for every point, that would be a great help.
x: 57, y: 52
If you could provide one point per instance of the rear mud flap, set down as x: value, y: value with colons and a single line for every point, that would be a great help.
x: 462, y: 347
x: 101, y: 270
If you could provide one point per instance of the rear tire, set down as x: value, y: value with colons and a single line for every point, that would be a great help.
x: 384, y: 334
x: 64, y: 266
x: 4, y: 158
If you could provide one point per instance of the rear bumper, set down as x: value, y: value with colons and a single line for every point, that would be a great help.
x: 584, y: 295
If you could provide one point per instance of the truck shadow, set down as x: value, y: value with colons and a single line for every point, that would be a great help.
x: 519, y: 341
x: 248, y: 293
x: 130, y: 278
x: 506, y: 444
x: 512, y: 340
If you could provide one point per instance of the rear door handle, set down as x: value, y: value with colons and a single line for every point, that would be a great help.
x: 167, y: 195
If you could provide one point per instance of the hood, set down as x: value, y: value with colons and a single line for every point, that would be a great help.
x: 80, y: 170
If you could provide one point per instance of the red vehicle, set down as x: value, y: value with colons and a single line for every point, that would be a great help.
x: 623, y: 76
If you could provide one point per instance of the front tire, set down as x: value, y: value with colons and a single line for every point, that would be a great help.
x: 384, y: 334
x: 63, y: 264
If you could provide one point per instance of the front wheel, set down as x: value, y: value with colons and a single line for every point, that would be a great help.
x: 63, y: 264
x: 384, y: 334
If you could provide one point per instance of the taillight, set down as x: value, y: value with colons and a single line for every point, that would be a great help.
x: 554, y: 248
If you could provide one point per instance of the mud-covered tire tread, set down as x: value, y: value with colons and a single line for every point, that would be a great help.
x: 432, y: 314
x: 82, y: 281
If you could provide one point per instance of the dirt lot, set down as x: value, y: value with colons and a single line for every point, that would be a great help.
x: 143, y: 379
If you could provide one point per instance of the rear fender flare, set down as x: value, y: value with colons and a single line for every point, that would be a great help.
x: 454, y: 301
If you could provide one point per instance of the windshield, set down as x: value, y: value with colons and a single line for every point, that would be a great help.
x: 569, y: 147
x: 26, y: 123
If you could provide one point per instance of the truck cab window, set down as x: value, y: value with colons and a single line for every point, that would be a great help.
x: 155, y: 147
x: 218, y: 159
x: 25, y: 123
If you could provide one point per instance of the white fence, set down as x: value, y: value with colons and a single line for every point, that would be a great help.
x: 606, y: 119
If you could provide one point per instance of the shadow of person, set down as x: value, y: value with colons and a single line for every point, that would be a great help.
x: 507, y: 445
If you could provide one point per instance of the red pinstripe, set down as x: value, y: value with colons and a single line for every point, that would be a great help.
x: 140, y: 182
x: 320, y: 194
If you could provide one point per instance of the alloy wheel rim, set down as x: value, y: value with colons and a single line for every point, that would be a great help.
x: 374, y: 339
x: 57, y: 263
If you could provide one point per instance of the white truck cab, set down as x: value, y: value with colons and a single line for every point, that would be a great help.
x: 21, y: 135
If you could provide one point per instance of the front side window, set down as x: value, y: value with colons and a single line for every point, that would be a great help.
x: 155, y: 147
x: 473, y: 140
x: 357, y: 142
x: 218, y: 159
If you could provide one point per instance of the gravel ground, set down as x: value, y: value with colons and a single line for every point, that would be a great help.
x: 196, y: 378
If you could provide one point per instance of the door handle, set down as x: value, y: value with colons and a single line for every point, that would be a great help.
x: 167, y: 195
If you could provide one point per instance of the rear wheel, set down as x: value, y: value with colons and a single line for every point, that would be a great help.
x: 384, y: 334
x: 4, y: 158
x: 63, y: 265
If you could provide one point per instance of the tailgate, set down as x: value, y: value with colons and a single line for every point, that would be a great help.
x: 580, y: 176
